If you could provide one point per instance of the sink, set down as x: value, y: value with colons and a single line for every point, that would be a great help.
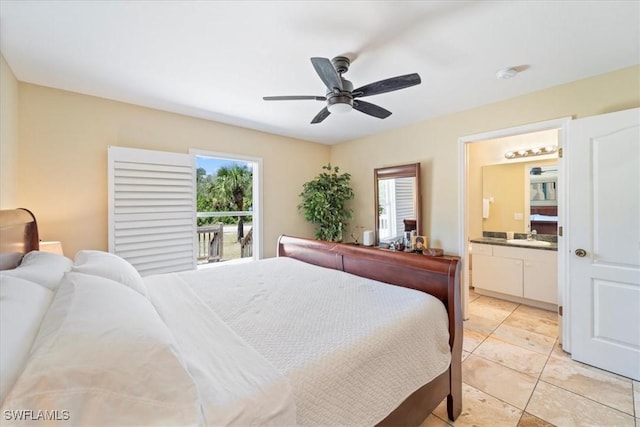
x: 528, y: 242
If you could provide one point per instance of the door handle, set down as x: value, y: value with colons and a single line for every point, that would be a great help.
x: 581, y: 252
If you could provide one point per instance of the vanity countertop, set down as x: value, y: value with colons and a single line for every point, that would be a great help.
x: 553, y: 246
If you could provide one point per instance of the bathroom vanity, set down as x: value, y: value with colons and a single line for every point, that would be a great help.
x: 517, y: 270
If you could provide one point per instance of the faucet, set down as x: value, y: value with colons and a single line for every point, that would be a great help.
x: 532, y: 235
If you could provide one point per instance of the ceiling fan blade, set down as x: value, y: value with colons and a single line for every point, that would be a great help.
x: 371, y: 109
x: 327, y: 73
x: 387, y: 85
x: 323, y: 114
x: 293, y: 98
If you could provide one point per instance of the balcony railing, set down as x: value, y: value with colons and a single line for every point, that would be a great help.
x: 210, y: 243
x: 211, y: 238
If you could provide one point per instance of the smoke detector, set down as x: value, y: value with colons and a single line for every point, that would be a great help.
x: 507, y: 73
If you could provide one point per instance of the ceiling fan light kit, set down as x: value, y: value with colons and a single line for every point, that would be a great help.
x: 341, y: 97
x: 339, y: 104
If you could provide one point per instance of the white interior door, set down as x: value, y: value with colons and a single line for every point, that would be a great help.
x: 603, y: 231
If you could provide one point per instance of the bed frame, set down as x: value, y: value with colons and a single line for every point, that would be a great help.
x: 18, y: 236
x: 438, y: 276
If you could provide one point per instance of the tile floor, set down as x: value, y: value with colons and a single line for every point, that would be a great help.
x: 514, y: 373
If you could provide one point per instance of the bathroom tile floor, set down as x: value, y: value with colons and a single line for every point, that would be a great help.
x: 514, y: 373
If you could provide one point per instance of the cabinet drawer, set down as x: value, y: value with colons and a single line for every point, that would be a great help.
x: 508, y: 252
x: 541, y: 255
x: 480, y: 249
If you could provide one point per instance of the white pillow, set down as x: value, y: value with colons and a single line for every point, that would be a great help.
x: 104, y: 355
x: 44, y: 268
x: 23, y: 304
x: 109, y: 266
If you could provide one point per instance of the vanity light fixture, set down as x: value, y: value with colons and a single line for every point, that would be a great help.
x: 539, y: 151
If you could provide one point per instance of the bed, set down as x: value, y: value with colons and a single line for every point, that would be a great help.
x: 544, y: 219
x: 315, y: 336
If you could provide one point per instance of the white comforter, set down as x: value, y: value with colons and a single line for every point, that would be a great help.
x: 337, y: 339
x: 275, y: 342
x: 236, y: 385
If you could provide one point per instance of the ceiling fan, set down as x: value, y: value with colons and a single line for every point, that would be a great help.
x: 341, y: 97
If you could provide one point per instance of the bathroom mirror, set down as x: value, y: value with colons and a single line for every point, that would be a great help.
x: 520, y: 200
x: 397, y: 201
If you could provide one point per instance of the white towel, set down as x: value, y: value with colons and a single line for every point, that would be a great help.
x: 485, y: 208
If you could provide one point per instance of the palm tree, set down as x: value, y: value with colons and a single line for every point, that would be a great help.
x: 234, y: 184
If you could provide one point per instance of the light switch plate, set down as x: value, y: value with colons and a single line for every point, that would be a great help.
x: 518, y: 216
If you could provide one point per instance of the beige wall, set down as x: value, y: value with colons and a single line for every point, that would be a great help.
x: 8, y: 136
x: 62, y: 158
x: 63, y: 162
x: 435, y: 144
x: 504, y: 185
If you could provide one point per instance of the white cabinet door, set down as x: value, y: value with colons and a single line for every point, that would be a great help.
x: 521, y: 272
x: 498, y: 274
x: 541, y: 278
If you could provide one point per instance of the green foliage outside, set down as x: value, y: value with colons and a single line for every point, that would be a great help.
x: 324, y: 201
x: 231, y: 189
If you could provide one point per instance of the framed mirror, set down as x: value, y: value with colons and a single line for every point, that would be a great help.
x: 397, y: 201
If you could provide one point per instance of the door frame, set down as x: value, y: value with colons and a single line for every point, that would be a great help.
x: 257, y: 191
x: 463, y: 220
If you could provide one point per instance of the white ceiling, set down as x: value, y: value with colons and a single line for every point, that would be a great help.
x: 217, y: 59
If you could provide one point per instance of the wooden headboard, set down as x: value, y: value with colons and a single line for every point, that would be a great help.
x: 18, y: 236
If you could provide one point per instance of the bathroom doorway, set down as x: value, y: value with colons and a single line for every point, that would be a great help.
x: 472, y: 156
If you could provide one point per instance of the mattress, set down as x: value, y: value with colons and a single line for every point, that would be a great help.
x: 320, y: 340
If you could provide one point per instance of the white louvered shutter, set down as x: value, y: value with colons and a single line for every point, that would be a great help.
x: 405, y: 196
x: 152, y: 199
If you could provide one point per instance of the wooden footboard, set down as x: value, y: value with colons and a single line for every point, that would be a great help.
x: 438, y: 276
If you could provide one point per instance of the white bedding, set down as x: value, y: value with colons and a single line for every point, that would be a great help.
x: 274, y: 342
x: 236, y: 385
x: 102, y: 357
x: 337, y: 338
x: 539, y: 217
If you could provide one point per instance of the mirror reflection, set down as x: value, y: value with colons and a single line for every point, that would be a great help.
x: 397, y: 201
x: 543, y: 197
x: 520, y: 197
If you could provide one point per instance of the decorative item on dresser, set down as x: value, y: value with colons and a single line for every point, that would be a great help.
x: 214, y: 332
x: 410, y: 224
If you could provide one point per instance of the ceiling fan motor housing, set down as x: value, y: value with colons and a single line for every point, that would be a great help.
x: 344, y: 96
x: 341, y: 64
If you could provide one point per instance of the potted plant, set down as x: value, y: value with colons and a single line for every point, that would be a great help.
x: 324, y: 203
